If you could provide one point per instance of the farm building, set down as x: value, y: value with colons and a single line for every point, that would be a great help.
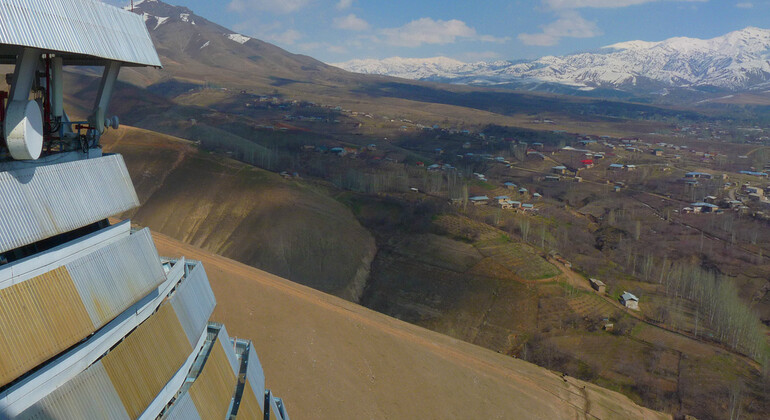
x: 703, y: 175
x: 629, y: 301
x: 704, y: 207
x: 479, y: 200
x: 598, y: 285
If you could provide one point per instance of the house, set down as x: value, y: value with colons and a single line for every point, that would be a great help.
x: 537, y: 195
x: 479, y: 200
x: 598, y: 285
x: 552, y: 178
x: 510, y: 185
x: 561, y: 169
x: 523, y: 190
x: 630, y: 167
x: 657, y: 152
x: 615, y: 167
x: 528, y: 207
x: 587, y: 163
x: 702, y: 207
x: 703, y: 175
x: 753, y: 173
x: 629, y: 301
x: 502, y: 199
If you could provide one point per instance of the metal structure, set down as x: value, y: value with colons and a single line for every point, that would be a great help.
x: 93, y: 323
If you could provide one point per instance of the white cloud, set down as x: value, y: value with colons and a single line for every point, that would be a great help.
x: 314, y: 47
x: 745, y: 5
x: 351, y: 22
x: 429, y: 31
x: 569, y: 25
x: 288, y: 37
x: 344, y: 4
x: 277, y: 6
x: 580, y: 4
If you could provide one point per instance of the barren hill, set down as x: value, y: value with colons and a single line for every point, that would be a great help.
x: 334, y: 359
x: 245, y: 213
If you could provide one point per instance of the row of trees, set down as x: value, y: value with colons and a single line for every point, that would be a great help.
x: 718, y: 307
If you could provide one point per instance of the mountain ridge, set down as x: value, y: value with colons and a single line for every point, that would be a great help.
x: 739, y: 60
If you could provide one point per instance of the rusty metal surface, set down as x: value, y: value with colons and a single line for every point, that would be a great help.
x: 38, y: 319
x: 213, y: 390
x: 116, y: 276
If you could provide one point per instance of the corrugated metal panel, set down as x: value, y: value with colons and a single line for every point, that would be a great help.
x: 194, y: 302
x: 184, y: 409
x: 83, y: 27
x: 41, y: 262
x: 256, y: 377
x: 213, y: 390
x: 115, y: 277
x: 251, y: 406
x: 40, y: 202
x: 39, y: 318
x: 90, y: 395
x: 275, y: 412
x: 141, y: 365
x: 227, y: 346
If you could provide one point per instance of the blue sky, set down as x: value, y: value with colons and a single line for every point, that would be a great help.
x: 340, y: 30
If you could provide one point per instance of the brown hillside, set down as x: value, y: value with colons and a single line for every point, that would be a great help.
x: 333, y: 359
x: 245, y: 213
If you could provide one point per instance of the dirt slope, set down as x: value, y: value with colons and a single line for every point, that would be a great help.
x: 289, y: 228
x: 332, y: 359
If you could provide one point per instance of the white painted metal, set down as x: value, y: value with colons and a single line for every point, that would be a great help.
x: 24, y: 74
x: 23, y: 125
x: 24, y: 130
x: 227, y: 346
x: 184, y: 409
x: 195, y: 302
x: 57, y: 87
x: 26, y: 268
x: 274, y: 410
x: 50, y: 377
x: 78, y: 27
x: 256, y: 376
x: 113, y: 278
x: 90, y: 395
x: 43, y: 201
x: 111, y: 70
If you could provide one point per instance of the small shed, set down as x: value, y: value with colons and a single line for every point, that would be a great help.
x: 479, y: 200
x: 629, y: 301
x: 598, y: 285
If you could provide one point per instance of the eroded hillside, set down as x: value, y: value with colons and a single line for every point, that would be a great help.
x: 334, y: 359
x: 245, y: 213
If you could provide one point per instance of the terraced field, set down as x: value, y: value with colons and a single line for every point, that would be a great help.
x: 518, y: 257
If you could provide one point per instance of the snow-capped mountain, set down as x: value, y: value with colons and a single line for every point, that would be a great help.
x: 739, y: 60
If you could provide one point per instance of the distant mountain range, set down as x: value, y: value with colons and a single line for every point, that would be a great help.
x: 736, y: 61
